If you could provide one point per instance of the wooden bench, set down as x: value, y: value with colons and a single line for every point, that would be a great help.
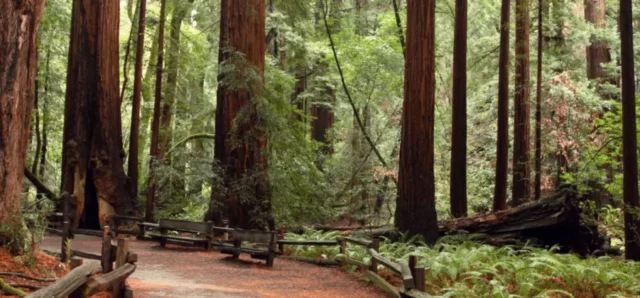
x: 197, y: 228
x: 264, y: 245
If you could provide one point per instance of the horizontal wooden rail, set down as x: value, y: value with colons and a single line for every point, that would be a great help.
x: 401, y: 269
x: 349, y: 261
x: 358, y: 241
x: 382, y: 284
x: 68, y: 283
x: 106, y: 281
x: 309, y: 242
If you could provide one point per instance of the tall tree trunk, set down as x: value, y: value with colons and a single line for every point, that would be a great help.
x: 155, y: 154
x: 521, y: 131
x: 135, y: 110
x: 598, y: 51
x: 500, y: 191
x: 45, y: 117
x: 322, y: 122
x: 458, y: 185
x: 93, y: 155
x: 127, y: 55
x: 415, y: 205
x: 173, y: 57
x: 301, y: 102
x: 630, y: 158
x: 538, y: 159
x: 19, y: 21
x: 147, y: 104
x: 36, y: 113
x: 240, y: 145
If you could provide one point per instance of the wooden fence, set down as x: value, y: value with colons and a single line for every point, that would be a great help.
x: 413, y: 277
x: 79, y: 282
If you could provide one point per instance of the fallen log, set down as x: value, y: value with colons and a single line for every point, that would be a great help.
x: 69, y: 283
x: 555, y: 220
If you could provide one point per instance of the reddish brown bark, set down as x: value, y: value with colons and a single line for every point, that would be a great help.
x: 521, y: 133
x: 538, y: 158
x: 240, y: 147
x: 155, y: 154
x: 137, y: 94
x: 323, y: 119
x: 598, y: 51
x: 500, y: 195
x: 458, y: 185
x: 629, y: 143
x: 415, y: 205
x: 93, y: 156
x: 19, y: 21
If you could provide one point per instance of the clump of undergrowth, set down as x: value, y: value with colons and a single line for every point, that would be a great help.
x: 470, y: 269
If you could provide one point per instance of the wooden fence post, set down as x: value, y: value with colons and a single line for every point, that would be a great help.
x: 225, y: 223
x: 413, y: 262
x: 281, y: 237
x: 107, y: 262
x: 66, y: 226
x: 122, y: 251
x: 374, y: 263
x: 419, y: 278
x: 343, y: 246
x: 75, y: 263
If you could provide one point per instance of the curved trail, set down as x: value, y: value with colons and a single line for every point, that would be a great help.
x: 185, y: 272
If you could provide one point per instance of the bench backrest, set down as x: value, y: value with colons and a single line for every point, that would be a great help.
x: 254, y: 236
x: 186, y: 226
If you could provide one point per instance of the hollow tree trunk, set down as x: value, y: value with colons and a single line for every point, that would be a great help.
x: 500, y: 191
x: 243, y: 159
x: 19, y: 21
x: 458, y: 185
x: 92, y: 143
x: 415, y: 205
x: 521, y: 164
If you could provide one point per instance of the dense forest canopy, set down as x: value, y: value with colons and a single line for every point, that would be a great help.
x: 328, y: 112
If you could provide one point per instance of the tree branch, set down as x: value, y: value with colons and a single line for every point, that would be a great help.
x: 40, y: 187
x: 189, y: 138
x: 346, y: 90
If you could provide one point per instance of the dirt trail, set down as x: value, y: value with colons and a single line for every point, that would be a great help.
x: 184, y: 272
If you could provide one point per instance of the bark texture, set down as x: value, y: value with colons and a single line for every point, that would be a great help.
x: 19, y: 22
x: 598, y: 51
x: 415, y: 206
x: 629, y: 143
x: 93, y: 155
x: 137, y: 98
x: 500, y: 191
x: 458, y: 185
x: 240, y: 145
x: 323, y: 119
x: 521, y: 131
x: 155, y: 153
x: 537, y: 186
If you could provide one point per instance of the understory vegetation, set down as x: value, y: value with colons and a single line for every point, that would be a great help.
x: 461, y: 268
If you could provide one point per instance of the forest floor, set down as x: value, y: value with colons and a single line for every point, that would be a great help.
x: 189, y: 272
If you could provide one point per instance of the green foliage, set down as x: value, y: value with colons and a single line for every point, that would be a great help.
x: 470, y: 269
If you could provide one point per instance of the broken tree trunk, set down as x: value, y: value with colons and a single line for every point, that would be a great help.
x: 555, y: 220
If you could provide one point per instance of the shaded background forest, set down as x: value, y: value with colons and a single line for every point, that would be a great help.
x: 316, y: 177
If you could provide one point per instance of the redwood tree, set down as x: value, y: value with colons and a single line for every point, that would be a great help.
x: 19, y: 22
x: 137, y: 94
x: 521, y: 133
x: 415, y: 205
x: 155, y: 155
x: 598, y: 51
x: 458, y: 185
x: 240, y: 145
x: 538, y: 142
x: 92, y: 143
x: 629, y: 143
x: 500, y: 195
